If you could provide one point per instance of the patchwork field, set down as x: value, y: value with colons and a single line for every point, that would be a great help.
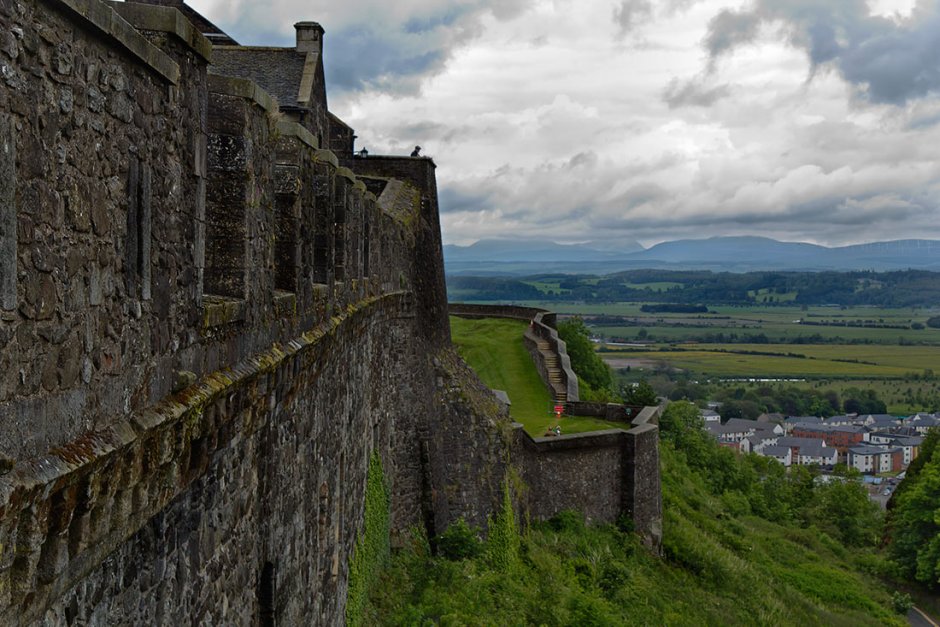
x: 786, y: 360
x: 778, y: 324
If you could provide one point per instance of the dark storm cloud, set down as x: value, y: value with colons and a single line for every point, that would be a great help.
x: 730, y: 29
x: 692, y: 93
x: 379, y: 47
x: 888, y: 61
x: 453, y: 199
x: 631, y: 13
x: 364, y: 56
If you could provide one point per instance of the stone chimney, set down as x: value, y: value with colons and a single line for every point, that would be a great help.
x: 309, y: 37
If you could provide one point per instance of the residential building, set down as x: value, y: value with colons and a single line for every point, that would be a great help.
x: 874, y: 459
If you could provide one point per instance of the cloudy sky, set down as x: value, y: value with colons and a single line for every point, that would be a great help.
x: 649, y: 120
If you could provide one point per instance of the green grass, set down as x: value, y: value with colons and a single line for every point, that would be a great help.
x: 494, y: 348
x: 791, y: 360
x: 719, y: 568
x: 779, y: 323
x: 726, y: 364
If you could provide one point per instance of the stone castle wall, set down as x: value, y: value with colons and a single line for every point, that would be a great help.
x: 605, y: 475
x: 208, y: 323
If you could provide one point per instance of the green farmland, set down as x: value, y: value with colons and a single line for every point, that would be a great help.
x: 789, y: 360
x: 718, y: 363
x: 779, y: 324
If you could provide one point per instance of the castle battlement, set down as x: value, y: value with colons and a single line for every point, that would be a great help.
x: 213, y: 313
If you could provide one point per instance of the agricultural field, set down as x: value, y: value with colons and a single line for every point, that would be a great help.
x: 724, y: 363
x: 777, y: 324
x: 787, y: 360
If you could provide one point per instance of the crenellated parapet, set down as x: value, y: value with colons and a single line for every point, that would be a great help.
x: 183, y: 222
x: 211, y: 317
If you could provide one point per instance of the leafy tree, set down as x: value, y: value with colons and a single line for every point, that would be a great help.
x: 584, y: 361
x: 844, y: 511
x: 857, y: 401
x: 640, y: 394
x: 914, y: 522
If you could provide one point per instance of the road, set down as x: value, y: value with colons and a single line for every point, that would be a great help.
x: 918, y: 619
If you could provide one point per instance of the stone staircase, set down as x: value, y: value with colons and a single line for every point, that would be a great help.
x: 554, y: 370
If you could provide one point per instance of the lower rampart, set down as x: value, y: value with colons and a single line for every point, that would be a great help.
x: 607, y: 475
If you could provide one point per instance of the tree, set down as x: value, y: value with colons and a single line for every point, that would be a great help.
x: 639, y: 394
x: 914, y: 521
x: 584, y: 361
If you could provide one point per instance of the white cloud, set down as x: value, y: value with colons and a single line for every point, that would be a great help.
x: 546, y: 119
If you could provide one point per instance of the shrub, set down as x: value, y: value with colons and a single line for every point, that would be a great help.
x: 567, y: 520
x: 460, y: 541
x: 901, y: 602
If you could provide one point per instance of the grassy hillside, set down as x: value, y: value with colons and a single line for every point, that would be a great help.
x: 723, y: 565
x: 493, y: 347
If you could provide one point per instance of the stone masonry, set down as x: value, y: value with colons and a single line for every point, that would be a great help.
x: 208, y: 324
x: 212, y: 314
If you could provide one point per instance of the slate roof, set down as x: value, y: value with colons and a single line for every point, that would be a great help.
x: 825, y: 452
x: 276, y: 70
x: 873, y: 449
x: 776, y: 451
x: 800, y: 442
x: 831, y: 428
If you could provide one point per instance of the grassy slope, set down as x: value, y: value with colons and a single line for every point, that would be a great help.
x: 495, y: 350
x: 718, y: 569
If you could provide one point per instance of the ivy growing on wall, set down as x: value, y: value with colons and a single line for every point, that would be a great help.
x: 502, y: 546
x: 372, y: 546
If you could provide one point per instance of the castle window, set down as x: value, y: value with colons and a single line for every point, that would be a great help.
x: 285, y: 243
x: 8, y: 240
x: 340, y: 208
x: 138, y: 244
x: 267, y: 591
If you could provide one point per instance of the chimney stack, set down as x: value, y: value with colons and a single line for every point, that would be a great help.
x: 309, y: 37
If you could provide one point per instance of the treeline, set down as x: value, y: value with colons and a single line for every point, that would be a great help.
x: 909, y: 288
x: 750, y: 402
x: 913, y: 523
x: 674, y: 308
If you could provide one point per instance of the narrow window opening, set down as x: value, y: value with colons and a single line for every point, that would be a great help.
x: 339, y: 232
x: 267, y: 591
x: 323, y: 236
x: 285, y: 244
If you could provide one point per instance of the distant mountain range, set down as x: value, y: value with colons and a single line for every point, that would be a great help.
x: 728, y: 254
